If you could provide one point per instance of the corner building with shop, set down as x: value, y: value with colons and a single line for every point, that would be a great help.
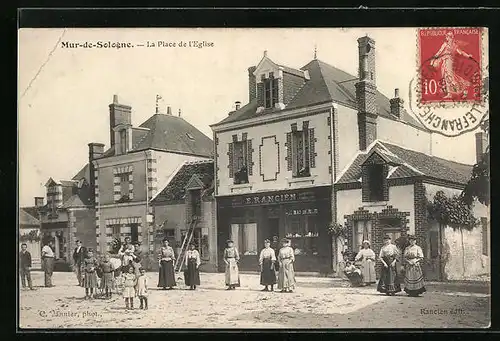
x: 278, y: 157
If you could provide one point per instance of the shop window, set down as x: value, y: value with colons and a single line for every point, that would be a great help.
x: 376, y: 182
x: 362, y: 231
x: 303, y: 232
x: 245, y: 238
x: 300, y: 153
x: 484, y: 234
x: 270, y: 91
x: 240, y: 162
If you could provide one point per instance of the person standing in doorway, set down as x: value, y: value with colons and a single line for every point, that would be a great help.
x: 48, y: 262
x: 267, y: 260
x: 231, y: 258
x: 25, y: 266
x: 78, y: 257
x: 286, y: 276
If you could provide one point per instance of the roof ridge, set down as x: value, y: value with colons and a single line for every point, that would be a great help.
x: 199, y: 161
x: 433, y: 156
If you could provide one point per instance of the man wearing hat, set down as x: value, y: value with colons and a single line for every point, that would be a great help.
x: 366, y: 257
x: 78, y: 257
x: 231, y: 258
x: 286, y: 274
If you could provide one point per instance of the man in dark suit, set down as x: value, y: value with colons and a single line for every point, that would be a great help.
x: 25, y: 266
x: 78, y: 257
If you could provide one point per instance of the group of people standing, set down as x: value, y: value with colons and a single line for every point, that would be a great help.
x: 25, y: 264
x: 395, y: 265
x: 276, y: 266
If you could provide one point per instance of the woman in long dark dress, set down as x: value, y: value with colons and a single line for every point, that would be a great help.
x: 389, y: 282
x: 166, y: 261
x: 267, y: 260
x: 193, y: 261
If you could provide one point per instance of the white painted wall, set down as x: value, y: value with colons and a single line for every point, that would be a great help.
x: 320, y: 173
x: 400, y: 197
x: 403, y: 135
x: 348, y: 136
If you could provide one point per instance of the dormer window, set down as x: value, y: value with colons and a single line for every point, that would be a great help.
x: 374, y: 180
x: 123, y: 141
x: 270, y: 91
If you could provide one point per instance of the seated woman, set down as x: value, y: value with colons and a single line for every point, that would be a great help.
x: 353, y: 274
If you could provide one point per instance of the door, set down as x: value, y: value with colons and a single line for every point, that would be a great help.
x: 134, y: 233
x: 274, y: 228
x: 432, y: 262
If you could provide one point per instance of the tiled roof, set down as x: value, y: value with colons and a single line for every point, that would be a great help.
x: 410, y: 163
x: 83, y: 173
x: 326, y: 84
x: 175, y: 189
x: 78, y: 200
x: 26, y: 218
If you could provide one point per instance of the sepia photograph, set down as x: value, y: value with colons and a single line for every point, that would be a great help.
x: 243, y: 178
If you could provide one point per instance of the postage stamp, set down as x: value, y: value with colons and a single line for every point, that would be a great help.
x: 450, y: 60
x: 449, y: 92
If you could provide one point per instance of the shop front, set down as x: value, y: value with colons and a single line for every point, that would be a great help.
x: 301, y: 215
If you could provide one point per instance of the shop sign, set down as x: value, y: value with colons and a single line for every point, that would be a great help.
x: 305, y: 211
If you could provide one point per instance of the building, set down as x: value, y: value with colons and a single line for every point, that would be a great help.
x: 186, y: 199
x: 29, y: 233
x: 278, y: 156
x: 127, y: 174
x: 68, y: 215
x: 385, y: 190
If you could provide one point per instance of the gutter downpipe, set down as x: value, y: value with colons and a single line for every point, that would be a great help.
x: 334, y: 178
x: 96, y: 166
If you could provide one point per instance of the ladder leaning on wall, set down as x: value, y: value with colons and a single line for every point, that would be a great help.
x: 181, y: 259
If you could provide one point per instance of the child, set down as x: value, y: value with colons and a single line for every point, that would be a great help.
x: 136, y: 264
x: 142, y: 289
x: 25, y: 266
x: 130, y: 282
x: 107, y: 279
x: 353, y: 273
x: 90, y: 278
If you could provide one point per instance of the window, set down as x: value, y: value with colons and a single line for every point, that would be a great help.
x: 362, y: 231
x: 303, y: 232
x: 484, y: 234
x: 270, y: 91
x: 200, y: 240
x: 195, y: 203
x: 240, y: 162
x: 376, y: 182
x: 124, y: 188
x: 134, y: 232
x: 300, y: 153
x: 123, y: 141
x: 245, y: 238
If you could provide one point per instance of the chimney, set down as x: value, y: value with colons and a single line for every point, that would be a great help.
x: 169, y: 110
x: 118, y: 114
x: 95, y: 151
x: 366, y: 93
x: 481, y: 145
x: 396, y: 104
x: 252, y: 84
x: 237, y: 105
x: 38, y: 201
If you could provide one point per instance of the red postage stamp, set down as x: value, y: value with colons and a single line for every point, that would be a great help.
x: 450, y: 65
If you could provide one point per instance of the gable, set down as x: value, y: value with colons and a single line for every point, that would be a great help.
x: 265, y: 66
x: 194, y: 183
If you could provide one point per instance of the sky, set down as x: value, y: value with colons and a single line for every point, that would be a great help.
x: 64, y: 93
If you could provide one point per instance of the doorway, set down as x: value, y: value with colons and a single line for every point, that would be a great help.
x: 432, y: 268
x: 134, y: 233
x: 274, y: 228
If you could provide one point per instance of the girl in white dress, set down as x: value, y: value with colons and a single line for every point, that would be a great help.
x: 367, y: 258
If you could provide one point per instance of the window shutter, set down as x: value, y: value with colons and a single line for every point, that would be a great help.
x: 289, y: 157
x: 249, y: 157
x: 312, y: 149
x: 230, y: 163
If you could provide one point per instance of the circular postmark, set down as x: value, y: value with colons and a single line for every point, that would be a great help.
x: 449, y: 103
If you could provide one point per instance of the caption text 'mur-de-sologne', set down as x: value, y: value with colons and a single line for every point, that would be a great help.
x: 126, y: 45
